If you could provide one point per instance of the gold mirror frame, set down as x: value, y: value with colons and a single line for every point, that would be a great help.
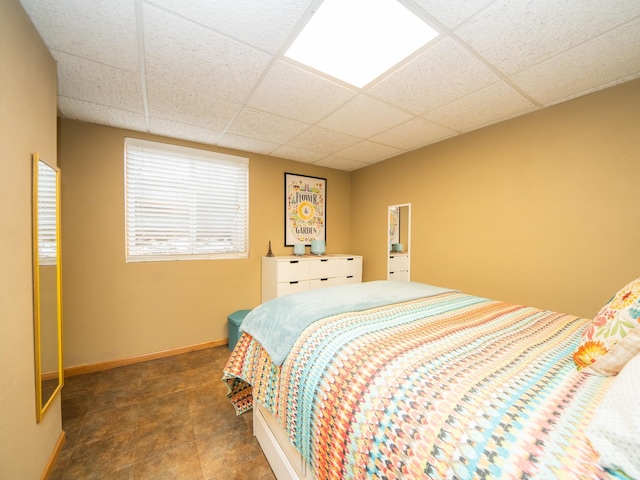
x: 47, y: 294
x: 399, y: 232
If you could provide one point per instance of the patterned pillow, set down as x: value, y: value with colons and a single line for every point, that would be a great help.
x: 612, y: 339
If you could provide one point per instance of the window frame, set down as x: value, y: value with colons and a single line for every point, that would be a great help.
x: 199, y: 159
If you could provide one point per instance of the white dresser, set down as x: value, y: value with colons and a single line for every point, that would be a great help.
x: 399, y: 267
x: 291, y: 274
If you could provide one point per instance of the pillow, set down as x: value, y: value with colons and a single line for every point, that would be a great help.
x: 614, y: 431
x: 612, y: 337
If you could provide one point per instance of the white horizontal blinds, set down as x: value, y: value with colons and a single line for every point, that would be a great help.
x: 182, y: 201
x: 47, y: 245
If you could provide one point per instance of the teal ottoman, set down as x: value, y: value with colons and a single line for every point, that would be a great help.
x: 234, y: 322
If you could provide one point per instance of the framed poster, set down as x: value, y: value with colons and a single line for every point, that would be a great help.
x: 305, y: 200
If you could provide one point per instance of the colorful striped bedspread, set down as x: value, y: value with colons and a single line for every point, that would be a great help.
x: 451, y: 386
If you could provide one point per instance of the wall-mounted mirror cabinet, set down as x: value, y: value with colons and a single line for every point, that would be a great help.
x: 47, y: 295
x: 399, y: 238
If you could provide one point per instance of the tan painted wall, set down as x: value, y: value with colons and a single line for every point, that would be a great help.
x: 27, y: 125
x: 540, y: 210
x: 114, y: 310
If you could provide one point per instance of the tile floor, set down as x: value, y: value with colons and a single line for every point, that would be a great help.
x: 163, y: 419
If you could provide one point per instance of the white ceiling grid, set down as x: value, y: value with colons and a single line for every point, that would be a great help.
x: 215, y: 71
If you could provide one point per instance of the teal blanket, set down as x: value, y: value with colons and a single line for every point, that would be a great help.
x: 276, y: 324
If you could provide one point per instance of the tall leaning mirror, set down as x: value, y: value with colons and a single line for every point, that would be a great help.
x: 398, y: 242
x: 47, y: 295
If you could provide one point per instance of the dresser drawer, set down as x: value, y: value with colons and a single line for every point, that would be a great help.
x: 398, y: 262
x: 349, y: 279
x: 323, y: 267
x: 293, y: 274
x: 291, y: 270
x: 324, y: 282
x: 285, y: 288
x: 349, y: 266
x: 399, y: 276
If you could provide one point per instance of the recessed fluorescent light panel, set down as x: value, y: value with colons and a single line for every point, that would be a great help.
x: 356, y: 41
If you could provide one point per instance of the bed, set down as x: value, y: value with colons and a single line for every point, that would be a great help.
x: 405, y: 380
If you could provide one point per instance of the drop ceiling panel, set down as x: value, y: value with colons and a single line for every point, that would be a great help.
x: 239, y: 142
x: 514, y: 35
x: 369, y: 152
x: 163, y: 126
x: 185, y: 54
x: 101, y: 114
x: 296, y: 93
x: 452, y: 13
x: 605, y: 60
x: 441, y: 74
x: 299, y: 154
x: 265, y: 126
x: 321, y: 140
x: 98, y: 83
x: 215, y: 72
x: 497, y: 101
x: 335, y: 161
x: 373, y: 117
x: 187, y: 106
x: 104, y: 32
x: 413, y: 134
x: 265, y: 25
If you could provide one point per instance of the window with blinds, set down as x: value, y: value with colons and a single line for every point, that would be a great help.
x: 184, y: 204
x: 47, y: 220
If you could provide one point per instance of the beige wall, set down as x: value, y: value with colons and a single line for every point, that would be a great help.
x: 27, y: 125
x: 540, y: 210
x: 114, y: 310
x: 535, y: 210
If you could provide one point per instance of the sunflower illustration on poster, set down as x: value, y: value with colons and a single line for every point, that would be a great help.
x: 305, y: 209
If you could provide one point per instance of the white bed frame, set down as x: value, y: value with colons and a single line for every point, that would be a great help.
x: 286, y: 462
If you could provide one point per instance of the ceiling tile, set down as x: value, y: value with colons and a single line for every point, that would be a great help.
x: 84, y: 27
x: 170, y: 128
x: 247, y: 144
x: 492, y: 103
x: 187, y: 55
x: 340, y: 163
x: 98, y: 83
x: 265, y: 25
x: 413, y: 134
x: 321, y: 140
x: 185, y: 106
x: 100, y: 114
x: 514, y: 35
x: 292, y: 92
x: 214, y: 72
x: 368, y: 152
x: 297, y: 154
x: 607, y: 59
x: 265, y: 126
x: 444, y: 72
x: 364, y: 116
x: 452, y: 13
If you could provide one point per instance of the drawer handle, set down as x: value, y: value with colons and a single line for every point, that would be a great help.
x: 349, y: 259
x: 349, y: 276
x: 324, y: 279
x: 324, y: 259
x: 293, y: 283
x: 294, y: 261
